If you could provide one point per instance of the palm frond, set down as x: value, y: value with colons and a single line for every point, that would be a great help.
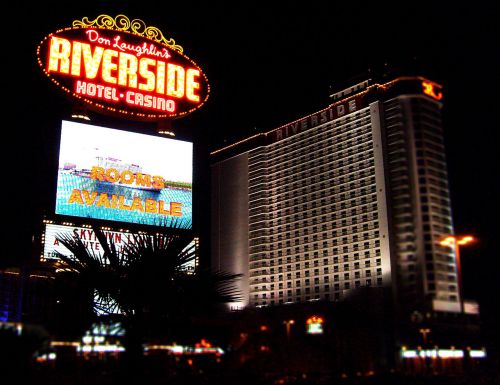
x: 148, y: 275
x: 81, y: 257
x: 110, y: 252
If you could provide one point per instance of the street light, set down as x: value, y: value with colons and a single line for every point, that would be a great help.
x: 288, y: 324
x: 424, y: 333
x: 455, y: 242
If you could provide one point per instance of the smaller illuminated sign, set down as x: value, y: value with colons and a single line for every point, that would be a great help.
x: 328, y: 114
x: 315, y: 325
x: 434, y: 353
x: 432, y: 89
x: 52, y: 246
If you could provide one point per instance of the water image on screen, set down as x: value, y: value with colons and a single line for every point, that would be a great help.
x: 124, y: 176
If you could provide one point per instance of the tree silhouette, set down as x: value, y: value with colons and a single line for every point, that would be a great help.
x: 146, y: 283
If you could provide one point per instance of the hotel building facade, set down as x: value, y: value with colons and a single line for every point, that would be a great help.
x: 352, y: 196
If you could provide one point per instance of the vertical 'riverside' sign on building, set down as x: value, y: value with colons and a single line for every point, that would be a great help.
x: 123, y: 67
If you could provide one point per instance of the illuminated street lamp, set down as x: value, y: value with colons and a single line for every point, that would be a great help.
x: 288, y: 324
x: 424, y: 333
x: 455, y: 242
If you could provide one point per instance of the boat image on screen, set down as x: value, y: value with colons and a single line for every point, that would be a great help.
x: 97, y: 182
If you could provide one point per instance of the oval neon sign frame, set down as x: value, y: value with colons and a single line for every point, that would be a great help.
x: 123, y: 68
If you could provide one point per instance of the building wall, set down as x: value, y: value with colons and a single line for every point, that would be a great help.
x: 229, y: 220
x: 318, y: 220
x: 27, y: 295
x: 420, y: 204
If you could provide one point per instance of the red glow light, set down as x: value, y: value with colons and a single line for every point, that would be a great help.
x: 314, y: 320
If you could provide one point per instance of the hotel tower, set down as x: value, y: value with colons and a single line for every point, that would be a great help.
x: 352, y: 196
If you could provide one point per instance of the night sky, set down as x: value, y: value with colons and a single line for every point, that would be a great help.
x: 269, y: 65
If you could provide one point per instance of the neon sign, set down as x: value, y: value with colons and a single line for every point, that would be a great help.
x: 123, y: 67
x: 432, y: 89
x: 315, y: 325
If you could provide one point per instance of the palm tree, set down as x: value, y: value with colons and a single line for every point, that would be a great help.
x: 146, y: 282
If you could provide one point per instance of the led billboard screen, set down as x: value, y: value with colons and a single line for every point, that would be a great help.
x: 124, y: 176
